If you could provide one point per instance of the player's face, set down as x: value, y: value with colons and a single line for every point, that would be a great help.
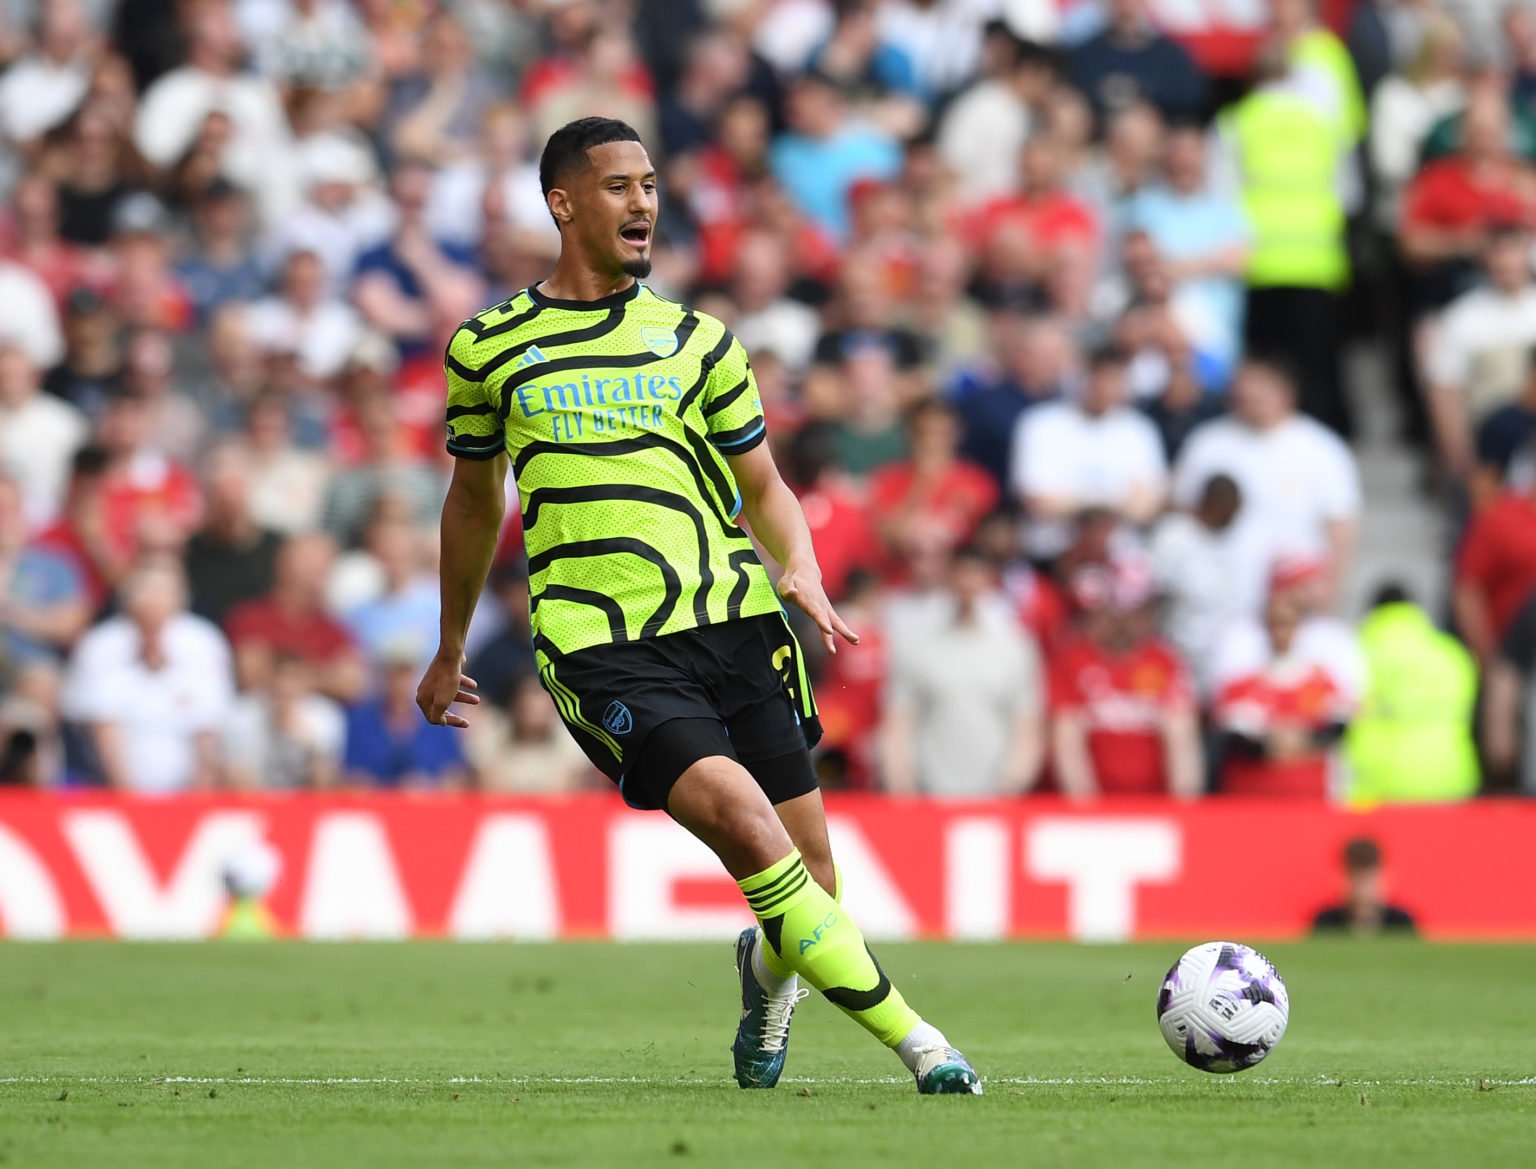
x: 613, y: 208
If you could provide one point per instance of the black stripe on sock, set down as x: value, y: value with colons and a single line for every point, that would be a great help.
x: 773, y: 933
x: 769, y: 890
x: 860, y: 1000
x: 768, y: 905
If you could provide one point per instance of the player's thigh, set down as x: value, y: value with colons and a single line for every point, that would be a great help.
x: 718, y: 801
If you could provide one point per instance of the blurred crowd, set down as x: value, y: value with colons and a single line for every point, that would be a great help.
x: 1047, y: 301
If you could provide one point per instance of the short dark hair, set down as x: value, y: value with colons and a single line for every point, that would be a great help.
x: 1279, y: 364
x: 1362, y: 854
x: 567, y: 147
x: 1106, y: 356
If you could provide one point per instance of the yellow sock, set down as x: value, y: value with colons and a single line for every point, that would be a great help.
x: 776, y: 966
x: 807, y: 932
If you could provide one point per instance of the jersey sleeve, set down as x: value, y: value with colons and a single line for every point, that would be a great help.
x: 475, y: 429
x: 733, y: 411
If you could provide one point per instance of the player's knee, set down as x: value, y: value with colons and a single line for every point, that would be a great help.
x: 719, y: 802
x: 819, y: 864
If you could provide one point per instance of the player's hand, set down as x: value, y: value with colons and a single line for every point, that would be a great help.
x: 445, y: 683
x: 802, y: 588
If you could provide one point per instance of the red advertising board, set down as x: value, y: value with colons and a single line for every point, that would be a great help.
x: 403, y: 866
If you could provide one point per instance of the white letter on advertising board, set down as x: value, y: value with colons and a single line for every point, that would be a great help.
x: 1102, y: 862
x: 134, y: 902
x: 646, y: 859
x: 29, y: 902
x: 508, y: 887
x: 353, y: 886
x: 977, y: 878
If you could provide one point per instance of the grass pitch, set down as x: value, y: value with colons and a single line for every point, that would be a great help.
x: 1399, y: 1054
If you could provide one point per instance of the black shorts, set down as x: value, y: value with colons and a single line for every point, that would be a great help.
x: 645, y: 711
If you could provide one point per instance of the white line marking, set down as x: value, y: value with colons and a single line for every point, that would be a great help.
x: 539, y: 1081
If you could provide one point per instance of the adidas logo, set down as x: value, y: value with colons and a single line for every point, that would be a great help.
x: 531, y: 357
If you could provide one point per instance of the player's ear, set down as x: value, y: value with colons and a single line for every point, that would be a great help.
x: 559, y: 203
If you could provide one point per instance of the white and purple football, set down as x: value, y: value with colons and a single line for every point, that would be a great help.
x: 1223, y: 1007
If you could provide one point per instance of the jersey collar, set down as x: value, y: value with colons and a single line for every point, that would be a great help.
x: 606, y: 302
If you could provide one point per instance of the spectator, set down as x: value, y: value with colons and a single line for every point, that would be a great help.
x: 498, y: 173
x: 149, y: 498
x: 291, y: 620
x: 1201, y: 234
x: 933, y: 487
x: 301, y: 319
x: 31, y: 238
x: 388, y: 469
x: 44, y: 606
x: 1478, y: 357
x: 982, y: 132
x: 1319, y: 57
x: 523, y: 748
x: 259, y: 155
x: 1193, y: 566
x: 288, y: 483
x: 837, y: 514
x: 405, y: 612
x: 1283, y: 720
x: 768, y: 320
x: 1046, y: 218
x: 1123, y: 713
x: 1032, y: 361
x: 1407, y: 104
x: 144, y: 291
x: 222, y: 267
x: 850, y: 692
x: 45, y: 86
x: 868, y: 435
x: 39, y: 435
x: 81, y: 536
x: 320, y: 45
x: 1287, y: 148
x: 148, y: 375
x: 29, y: 320
x: 152, y: 688
x: 92, y: 357
x: 94, y: 166
x: 1131, y: 61
x: 826, y: 151
x: 288, y: 736
x: 389, y: 744
x: 501, y: 659
x: 1094, y: 452
x: 964, y: 702
x: 1365, y: 910
x: 231, y: 558
x: 1412, y: 737
x: 1495, y: 570
x: 1508, y: 709
x: 415, y: 288
x: 715, y: 67
x: 1299, y: 484
x: 433, y: 112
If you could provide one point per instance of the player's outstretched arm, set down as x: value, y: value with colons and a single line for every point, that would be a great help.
x: 776, y: 520
x: 471, y: 521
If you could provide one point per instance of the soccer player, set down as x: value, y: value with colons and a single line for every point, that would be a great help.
x: 634, y: 431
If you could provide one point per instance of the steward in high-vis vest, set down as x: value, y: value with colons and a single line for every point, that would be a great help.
x: 1288, y: 146
x: 1412, y: 737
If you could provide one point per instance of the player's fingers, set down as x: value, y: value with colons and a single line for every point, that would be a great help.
x: 468, y: 683
x: 468, y: 697
x: 454, y: 720
x: 842, y: 628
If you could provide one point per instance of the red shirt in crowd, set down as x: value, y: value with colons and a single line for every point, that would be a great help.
x: 848, y: 699
x: 1498, y: 556
x: 1050, y: 219
x: 954, y: 502
x: 1305, y: 697
x: 148, y: 491
x: 1448, y: 194
x: 1039, y: 604
x: 314, y: 637
x: 1124, y: 700
x: 843, y: 533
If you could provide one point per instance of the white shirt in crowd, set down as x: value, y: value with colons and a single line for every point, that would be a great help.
x: 160, y: 712
x: 322, y: 340
x: 980, y: 137
x: 1103, y: 460
x: 965, y: 687
x: 272, y: 757
x: 785, y: 328
x: 260, y: 155
x: 28, y: 316
x: 456, y: 203
x: 38, y: 439
x: 1295, y: 479
x: 37, y: 94
x: 1243, y: 649
x: 1481, y: 345
x: 1193, y: 568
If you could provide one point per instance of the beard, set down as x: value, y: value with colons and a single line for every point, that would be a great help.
x: 639, y: 269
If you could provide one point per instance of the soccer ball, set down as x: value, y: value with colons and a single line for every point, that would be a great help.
x: 1223, y: 1007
